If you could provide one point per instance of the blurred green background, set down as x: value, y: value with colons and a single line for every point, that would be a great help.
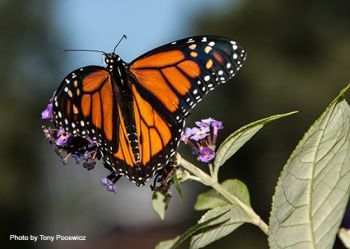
x: 298, y: 59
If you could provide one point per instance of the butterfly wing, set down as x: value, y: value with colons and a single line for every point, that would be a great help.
x: 177, y: 75
x: 146, y: 142
x: 167, y: 82
x: 85, y: 105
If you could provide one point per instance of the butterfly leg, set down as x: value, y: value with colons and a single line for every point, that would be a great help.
x: 164, y: 176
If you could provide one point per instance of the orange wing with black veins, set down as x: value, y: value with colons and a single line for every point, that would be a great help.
x: 85, y: 105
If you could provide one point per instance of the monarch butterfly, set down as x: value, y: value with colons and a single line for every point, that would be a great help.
x: 136, y: 112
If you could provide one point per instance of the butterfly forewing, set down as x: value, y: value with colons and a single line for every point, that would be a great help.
x: 85, y: 105
x: 180, y: 73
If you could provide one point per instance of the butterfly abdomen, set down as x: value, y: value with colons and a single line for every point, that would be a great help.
x: 128, y: 116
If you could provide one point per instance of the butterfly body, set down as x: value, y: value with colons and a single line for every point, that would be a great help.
x: 136, y: 112
x: 122, y: 84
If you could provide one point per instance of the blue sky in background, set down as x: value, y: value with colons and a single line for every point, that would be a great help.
x: 94, y: 24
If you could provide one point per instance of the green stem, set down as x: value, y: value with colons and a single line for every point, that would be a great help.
x: 210, y: 181
x: 216, y: 173
x: 194, y: 178
x: 211, y: 170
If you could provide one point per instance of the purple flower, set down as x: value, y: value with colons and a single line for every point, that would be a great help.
x: 48, y: 112
x: 109, y: 185
x: 206, y: 154
x: 217, y: 124
x: 202, y: 138
x: 91, y: 142
x: 202, y: 124
x: 210, y: 122
x: 199, y: 133
x: 63, y: 137
x: 186, y: 135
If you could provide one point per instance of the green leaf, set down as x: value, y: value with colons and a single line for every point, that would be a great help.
x: 344, y: 236
x: 313, y: 189
x: 212, y: 199
x: 238, y: 138
x: 233, y: 217
x: 177, y: 185
x: 167, y: 244
x: 189, y: 232
x: 159, y: 203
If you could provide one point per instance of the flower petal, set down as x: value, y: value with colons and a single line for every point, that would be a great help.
x: 199, y: 133
x: 186, y: 135
x: 108, y: 184
x: 48, y: 112
x: 63, y: 138
x: 206, y: 154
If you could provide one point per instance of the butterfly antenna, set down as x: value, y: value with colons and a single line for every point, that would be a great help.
x: 123, y: 37
x: 84, y: 50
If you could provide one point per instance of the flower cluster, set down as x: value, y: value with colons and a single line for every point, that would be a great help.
x: 202, y: 138
x: 81, y: 149
x: 66, y: 145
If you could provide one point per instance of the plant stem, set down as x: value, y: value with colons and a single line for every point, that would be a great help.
x: 215, y: 173
x: 212, y: 182
x: 211, y: 170
x: 194, y: 178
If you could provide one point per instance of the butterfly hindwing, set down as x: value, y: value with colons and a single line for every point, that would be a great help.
x: 156, y: 138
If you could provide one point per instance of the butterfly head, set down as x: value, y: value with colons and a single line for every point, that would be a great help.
x: 111, y: 58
